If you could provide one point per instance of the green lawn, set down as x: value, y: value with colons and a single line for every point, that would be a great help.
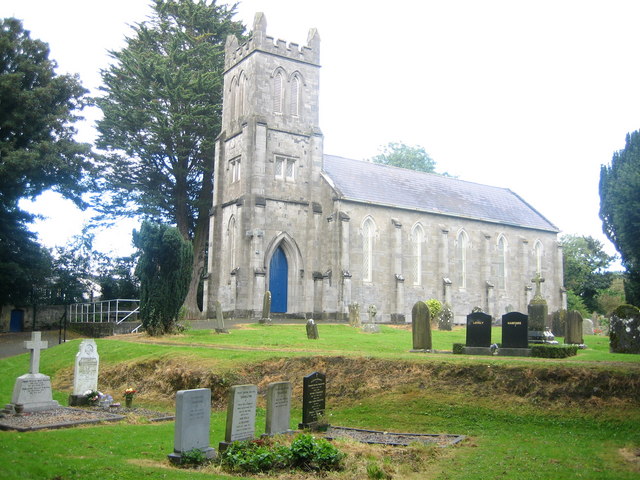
x: 508, y: 437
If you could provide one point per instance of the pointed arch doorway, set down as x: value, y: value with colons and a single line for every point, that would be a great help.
x: 279, y: 280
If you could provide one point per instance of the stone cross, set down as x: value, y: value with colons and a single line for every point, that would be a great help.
x: 538, y: 280
x: 35, y: 345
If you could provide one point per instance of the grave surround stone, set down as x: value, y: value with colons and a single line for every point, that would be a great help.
x: 314, y: 391
x: 33, y: 390
x: 193, y: 418
x: 421, y: 327
x: 241, y: 414
x: 278, y: 415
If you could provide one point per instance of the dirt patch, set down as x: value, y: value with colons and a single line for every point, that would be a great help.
x: 631, y: 457
x: 349, y: 378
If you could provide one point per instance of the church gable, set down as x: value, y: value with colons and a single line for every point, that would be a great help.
x: 362, y: 181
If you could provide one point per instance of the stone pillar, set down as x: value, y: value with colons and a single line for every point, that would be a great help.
x: 317, y: 294
x: 345, y: 297
x: 443, y: 261
x: 398, y: 315
x: 490, y: 298
x: 524, y: 271
x: 446, y: 288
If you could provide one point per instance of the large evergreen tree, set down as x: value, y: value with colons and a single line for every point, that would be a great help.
x: 620, y: 210
x: 37, y: 152
x: 162, y: 106
x: 164, y: 270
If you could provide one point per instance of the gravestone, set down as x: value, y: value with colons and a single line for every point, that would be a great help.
x: 624, y: 330
x: 445, y: 319
x: 33, y: 390
x: 573, y: 329
x: 266, y: 308
x: 538, y: 312
x: 85, y: 371
x: 373, y: 311
x: 558, y: 322
x: 193, y: 418
x: 278, y: 408
x: 312, y: 330
x: 515, y: 330
x: 314, y: 391
x: 241, y: 414
x: 587, y: 327
x: 478, y: 330
x: 354, y: 315
x: 218, y: 323
x: 421, y: 327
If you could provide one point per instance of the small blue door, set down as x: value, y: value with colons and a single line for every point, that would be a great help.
x: 278, y: 281
x: 17, y: 316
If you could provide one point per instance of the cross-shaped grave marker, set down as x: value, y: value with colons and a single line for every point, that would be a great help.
x: 538, y: 280
x: 35, y: 345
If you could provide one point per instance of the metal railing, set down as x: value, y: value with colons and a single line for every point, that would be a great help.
x: 116, y: 311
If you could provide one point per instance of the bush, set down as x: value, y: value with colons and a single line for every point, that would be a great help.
x: 458, y: 348
x: 193, y: 458
x: 306, y: 452
x: 554, y: 351
x: 435, y: 307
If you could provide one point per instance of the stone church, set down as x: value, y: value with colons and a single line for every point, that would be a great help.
x: 322, y: 232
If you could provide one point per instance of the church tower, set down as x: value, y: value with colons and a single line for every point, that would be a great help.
x: 264, y: 226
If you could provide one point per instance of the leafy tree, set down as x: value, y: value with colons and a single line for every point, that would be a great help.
x: 585, y: 263
x: 37, y: 151
x: 162, y: 107
x: 612, y: 297
x: 397, y: 154
x: 164, y: 270
x: 117, y: 280
x: 620, y: 209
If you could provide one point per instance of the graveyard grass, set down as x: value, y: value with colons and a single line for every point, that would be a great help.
x: 509, y: 436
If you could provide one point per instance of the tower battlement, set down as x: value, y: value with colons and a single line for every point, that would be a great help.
x: 259, y: 40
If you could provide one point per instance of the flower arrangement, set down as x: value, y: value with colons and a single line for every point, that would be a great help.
x: 129, y: 393
x: 93, y: 396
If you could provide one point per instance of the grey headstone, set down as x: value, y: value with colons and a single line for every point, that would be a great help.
x: 587, y: 326
x: 624, y: 331
x: 354, y: 315
x: 193, y: 418
x: 218, y: 323
x: 266, y: 308
x: 312, y: 330
x: 33, y: 389
x: 85, y: 372
x: 573, y: 328
x: 421, y: 327
x: 241, y: 413
x: 278, y: 408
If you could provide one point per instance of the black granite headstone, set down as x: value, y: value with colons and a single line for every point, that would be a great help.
x: 515, y: 326
x: 314, y: 389
x: 478, y: 330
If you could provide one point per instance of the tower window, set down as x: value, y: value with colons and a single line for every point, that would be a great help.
x: 285, y: 168
x: 278, y: 96
x: 234, y: 166
x: 294, y: 101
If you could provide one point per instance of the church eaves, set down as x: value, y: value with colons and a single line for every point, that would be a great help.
x: 366, y: 182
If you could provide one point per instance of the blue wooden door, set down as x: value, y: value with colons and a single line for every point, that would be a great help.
x: 278, y: 281
x: 17, y: 317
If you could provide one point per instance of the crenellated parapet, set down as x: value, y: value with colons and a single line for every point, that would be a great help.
x: 260, y: 41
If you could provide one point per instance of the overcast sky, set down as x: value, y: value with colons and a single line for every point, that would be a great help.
x: 529, y: 95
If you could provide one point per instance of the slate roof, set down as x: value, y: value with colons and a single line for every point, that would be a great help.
x: 367, y: 182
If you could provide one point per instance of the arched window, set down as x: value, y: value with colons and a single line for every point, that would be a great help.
x: 241, y: 91
x: 278, y: 96
x: 462, y: 245
x: 294, y: 93
x: 231, y: 237
x: 232, y: 98
x: 501, y: 263
x: 417, y: 239
x: 368, y: 231
x: 537, y: 248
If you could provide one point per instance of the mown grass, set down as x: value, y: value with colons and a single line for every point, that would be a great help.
x: 509, y: 437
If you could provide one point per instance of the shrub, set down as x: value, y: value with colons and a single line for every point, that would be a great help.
x: 435, y: 307
x: 193, y: 457
x: 554, y: 351
x: 315, y: 454
x: 458, y: 348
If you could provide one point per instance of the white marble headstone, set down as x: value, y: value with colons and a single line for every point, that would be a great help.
x: 278, y: 408
x: 241, y: 413
x: 85, y: 373
x: 193, y: 418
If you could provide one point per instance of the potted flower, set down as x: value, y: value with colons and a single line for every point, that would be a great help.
x: 128, y: 396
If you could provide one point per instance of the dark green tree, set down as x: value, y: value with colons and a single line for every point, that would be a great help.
x: 117, y: 280
x: 398, y: 154
x: 37, y: 151
x: 620, y: 210
x: 162, y: 105
x: 164, y: 270
x: 585, y: 266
